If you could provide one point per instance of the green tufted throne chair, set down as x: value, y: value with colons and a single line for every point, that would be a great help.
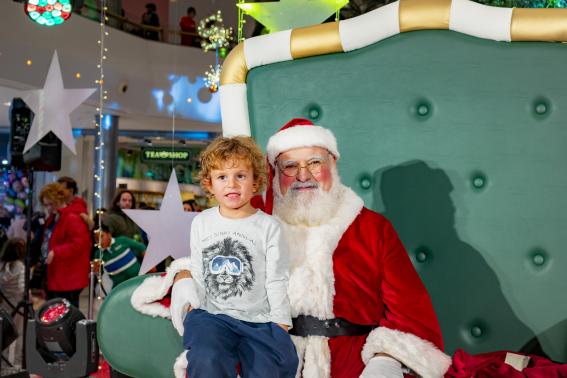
x: 458, y: 136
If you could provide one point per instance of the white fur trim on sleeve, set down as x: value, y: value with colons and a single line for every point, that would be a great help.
x: 371, y: 27
x: 416, y: 353
x: 481, y: 21
x: 146, y: 296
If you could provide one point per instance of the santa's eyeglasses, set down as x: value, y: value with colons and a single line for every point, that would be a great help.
x: 291, y: 168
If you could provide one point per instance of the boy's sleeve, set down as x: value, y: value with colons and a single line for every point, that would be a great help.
x: 197, y: 260
x: 136, y: 247
x: 277, y: 277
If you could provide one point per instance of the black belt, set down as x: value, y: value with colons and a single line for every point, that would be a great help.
x: 306, y: 325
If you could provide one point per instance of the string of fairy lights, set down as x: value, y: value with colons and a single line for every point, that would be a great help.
x: 241, y: 22
x: 102, y: 96
x: 214, y: 36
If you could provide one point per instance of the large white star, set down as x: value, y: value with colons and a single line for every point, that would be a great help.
x: 52, y: 106
x: 168, y: 228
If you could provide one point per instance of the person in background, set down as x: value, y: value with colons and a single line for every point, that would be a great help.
x: 65, y: 247
x: 195, y: 206
x: 12, y: 280
x: 120, y: 256
x: 74, y: 202
x: 117, y: 221
x: 188, y: 25
x: 150, y: 18
x: 187, y: 206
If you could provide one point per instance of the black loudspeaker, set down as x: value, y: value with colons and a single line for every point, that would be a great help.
x: 45, y: 155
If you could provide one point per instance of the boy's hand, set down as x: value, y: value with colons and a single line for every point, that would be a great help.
x: 284, y: 326
x: 183, y: 296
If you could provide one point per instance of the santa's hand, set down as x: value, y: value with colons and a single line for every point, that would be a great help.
x: 383, y: 367
x: 183, y: 295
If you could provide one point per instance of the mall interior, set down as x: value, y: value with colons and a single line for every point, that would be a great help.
x: 450, y: 117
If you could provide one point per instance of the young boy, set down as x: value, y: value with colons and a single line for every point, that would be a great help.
x: 119, y: 255
x: 239, y: 268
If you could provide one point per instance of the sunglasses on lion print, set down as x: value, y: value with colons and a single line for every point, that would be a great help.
x: 227, y: 264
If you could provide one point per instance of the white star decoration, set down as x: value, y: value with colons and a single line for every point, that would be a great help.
x: 52, y: 106
x: 168, y: 228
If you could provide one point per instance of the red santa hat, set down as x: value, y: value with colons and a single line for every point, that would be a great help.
x: 297, y: 133
x: 300, y: 132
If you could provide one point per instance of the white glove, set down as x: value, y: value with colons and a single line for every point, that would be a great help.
x: 382, y: 367
x: 183, y: 294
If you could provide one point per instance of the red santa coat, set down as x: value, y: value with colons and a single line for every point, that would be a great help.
x: 355, y: 267
x: 71, y: 244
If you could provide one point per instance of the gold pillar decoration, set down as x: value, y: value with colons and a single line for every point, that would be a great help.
x: 315, y: 40
x: 545, y: 24
x: 234, y: 69
x: 420, y: 14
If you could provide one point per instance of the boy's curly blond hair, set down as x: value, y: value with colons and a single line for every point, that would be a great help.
x: 233, y: 149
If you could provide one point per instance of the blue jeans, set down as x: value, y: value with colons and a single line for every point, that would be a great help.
x: 216, y: 344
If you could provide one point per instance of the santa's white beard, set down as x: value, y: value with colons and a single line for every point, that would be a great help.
x: 307, y: 207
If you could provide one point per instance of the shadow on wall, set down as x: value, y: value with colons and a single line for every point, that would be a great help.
x: 472, y: 310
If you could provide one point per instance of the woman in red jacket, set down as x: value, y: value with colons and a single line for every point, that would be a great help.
x: 65, y: 248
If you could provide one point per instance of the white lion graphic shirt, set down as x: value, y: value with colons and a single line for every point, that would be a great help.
x: 240, y: 266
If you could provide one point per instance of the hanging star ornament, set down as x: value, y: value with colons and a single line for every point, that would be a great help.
x: 52, y: 106
x: 168, y: 228
x: 290, y: 14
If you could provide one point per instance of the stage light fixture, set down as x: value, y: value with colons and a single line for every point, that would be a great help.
x: 49, y: 12
x: 56, y: 321
x: 61, y: 343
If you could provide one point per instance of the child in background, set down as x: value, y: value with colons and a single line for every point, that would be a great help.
x: 240, y: 274
x: 120, y: 256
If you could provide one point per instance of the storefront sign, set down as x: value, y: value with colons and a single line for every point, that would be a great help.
x: 164, y: 154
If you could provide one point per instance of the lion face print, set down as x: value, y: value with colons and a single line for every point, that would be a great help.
x: 227, y: 267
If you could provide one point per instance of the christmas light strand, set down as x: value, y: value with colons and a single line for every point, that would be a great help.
x: 241, y: 22
x: 103, y: 95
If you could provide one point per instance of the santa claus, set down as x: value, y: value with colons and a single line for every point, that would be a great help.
x: 359, y: 307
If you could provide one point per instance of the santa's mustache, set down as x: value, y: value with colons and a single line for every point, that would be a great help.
x: 304, y: 185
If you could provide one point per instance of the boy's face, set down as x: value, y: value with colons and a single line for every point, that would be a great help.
x: 233, y: 186
x: 105, y: 239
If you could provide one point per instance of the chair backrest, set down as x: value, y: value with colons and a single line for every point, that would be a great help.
x: 462, y: 143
